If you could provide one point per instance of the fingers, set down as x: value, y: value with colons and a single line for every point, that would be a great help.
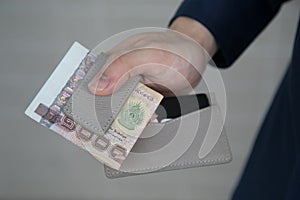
x: 163, y: 71
x: 119, y: 70
x: 111, y: 79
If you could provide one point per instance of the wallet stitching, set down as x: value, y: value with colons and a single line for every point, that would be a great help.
x: 180, y: 164
x: 210, y: 161
x: 75, y: 95
x: 228, y: 157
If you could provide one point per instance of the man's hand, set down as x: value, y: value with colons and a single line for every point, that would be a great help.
x: 170, y: 62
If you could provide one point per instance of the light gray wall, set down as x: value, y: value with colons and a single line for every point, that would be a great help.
x: 37, y: 164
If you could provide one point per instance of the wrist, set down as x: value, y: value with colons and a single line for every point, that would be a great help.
x: 196, y: 31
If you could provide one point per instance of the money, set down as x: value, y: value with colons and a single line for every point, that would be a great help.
x: 132, y: 119
x: 111, y: 148
x: 137, y: 111
x: 48, y: 104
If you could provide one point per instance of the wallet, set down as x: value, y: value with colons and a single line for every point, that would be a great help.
x: 194, y: 135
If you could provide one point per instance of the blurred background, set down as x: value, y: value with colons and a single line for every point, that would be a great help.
x: 36, y: 163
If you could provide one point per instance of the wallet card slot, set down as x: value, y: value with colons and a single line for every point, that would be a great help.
x: 210, y: 146
x: 219, y: 153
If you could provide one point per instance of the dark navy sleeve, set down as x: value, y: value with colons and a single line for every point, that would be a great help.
x: 233, y: 23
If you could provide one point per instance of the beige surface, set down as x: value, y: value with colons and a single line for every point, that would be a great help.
x: 35, y: 163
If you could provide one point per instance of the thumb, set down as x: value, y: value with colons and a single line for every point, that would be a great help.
x: 116, y: 74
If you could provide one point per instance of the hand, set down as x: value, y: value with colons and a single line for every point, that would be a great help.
x: 169, y: 62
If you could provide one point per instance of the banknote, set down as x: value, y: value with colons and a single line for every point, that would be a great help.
x: 110, y: 148
x: 129, y: 124
x: 113, y: 147
x: 57, y: 90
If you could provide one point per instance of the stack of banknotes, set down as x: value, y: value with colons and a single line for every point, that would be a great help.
x: 110, y: 148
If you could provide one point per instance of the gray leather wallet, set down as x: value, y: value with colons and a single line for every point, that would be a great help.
x: 195, y: 138
x: 208, y: 145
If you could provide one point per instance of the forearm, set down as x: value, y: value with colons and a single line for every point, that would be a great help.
x: 233, y: 24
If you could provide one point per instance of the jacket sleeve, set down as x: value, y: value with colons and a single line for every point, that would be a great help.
x: 233, y: 23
